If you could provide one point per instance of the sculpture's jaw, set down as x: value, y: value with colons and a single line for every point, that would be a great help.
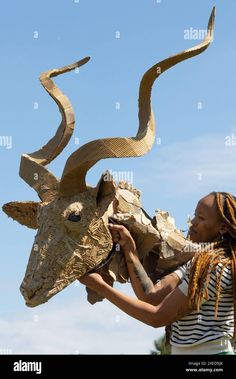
x: 35, y: 300
x: 40, y: 296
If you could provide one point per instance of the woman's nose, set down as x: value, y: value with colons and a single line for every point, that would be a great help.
x: 194, y: 221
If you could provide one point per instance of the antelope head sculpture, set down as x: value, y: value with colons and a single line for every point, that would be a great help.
x: 71, y: 217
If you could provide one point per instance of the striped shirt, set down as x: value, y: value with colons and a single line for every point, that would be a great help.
x: 202, y: 326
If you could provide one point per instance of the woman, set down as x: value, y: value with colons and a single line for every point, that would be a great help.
x: 198, y: 299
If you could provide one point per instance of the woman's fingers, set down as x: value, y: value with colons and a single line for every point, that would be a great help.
x: 125, y: 239
x: 91, y: 280
x: 117, y: 232
x: 120, y: 233
x: 117, y: 228
x: 115, y: 235
x: 114, y: 232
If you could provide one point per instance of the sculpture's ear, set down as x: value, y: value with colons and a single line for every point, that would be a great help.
x: 105, y: 190
x: 25, y: 212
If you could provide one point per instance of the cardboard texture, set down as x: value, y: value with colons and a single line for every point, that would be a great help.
x: 72, y: 218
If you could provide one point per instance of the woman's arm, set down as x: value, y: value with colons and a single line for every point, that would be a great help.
x: 174, y: 306
x: 142, y: 285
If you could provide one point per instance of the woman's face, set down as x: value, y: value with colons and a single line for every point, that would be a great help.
x: 207, y: 223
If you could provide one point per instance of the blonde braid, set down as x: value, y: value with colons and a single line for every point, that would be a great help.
x: 202, y: 265
x: 233, y: 266
x: 205, y: 262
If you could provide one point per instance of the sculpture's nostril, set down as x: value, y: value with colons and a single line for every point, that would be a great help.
x: 29, y: 292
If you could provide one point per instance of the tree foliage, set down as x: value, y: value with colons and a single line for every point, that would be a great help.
x: 161, y: 347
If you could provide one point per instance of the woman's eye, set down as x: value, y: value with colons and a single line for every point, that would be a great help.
x: 201, y: 218
x: 74, y: 217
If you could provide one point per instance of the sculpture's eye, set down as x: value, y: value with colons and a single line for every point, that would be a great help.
x: 74, y: 216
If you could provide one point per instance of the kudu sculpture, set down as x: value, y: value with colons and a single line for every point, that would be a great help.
x: 72, y: 218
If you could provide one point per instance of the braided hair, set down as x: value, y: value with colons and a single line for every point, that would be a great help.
x: 207, y: 260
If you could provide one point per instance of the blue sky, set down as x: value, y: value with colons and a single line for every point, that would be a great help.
x: 194, y: 105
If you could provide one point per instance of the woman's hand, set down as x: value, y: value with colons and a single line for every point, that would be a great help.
x: 93, y: 280
x: 121, y: 235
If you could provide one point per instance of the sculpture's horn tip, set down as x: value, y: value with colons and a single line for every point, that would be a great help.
x: 213, y: 14
x: 6, y: 208
x: 211, y: 23
x: 83, y: 61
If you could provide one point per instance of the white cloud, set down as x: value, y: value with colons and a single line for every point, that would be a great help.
x: 194, y: 165
x: 75, y: 327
